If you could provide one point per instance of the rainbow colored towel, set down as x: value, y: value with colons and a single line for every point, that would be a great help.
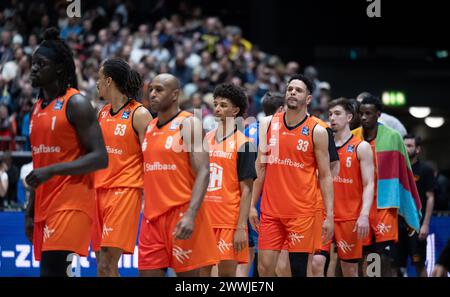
x: 396, y: 185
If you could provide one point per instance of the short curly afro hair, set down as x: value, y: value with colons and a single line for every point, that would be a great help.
x: 233, y: 93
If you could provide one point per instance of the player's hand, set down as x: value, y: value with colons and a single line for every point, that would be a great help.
x: 439, y: 271
x: 185, y: 227
x: 38, y: 177
x: 29, y: 227
x: 423, y: 233
x: 362, y: 226
x: 240, y: 240
x: 327, y: 228
x: 253, y: 218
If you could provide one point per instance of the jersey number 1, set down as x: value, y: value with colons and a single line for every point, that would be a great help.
x: 53, y: 122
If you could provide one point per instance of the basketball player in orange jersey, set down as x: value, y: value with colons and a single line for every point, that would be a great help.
x: 232, y: 171
x: 316, y: 261
x: 119, y: 187
x: 67, y: 145
x: 175, y: 230
x: 292, y: 148
x: 353, y: 188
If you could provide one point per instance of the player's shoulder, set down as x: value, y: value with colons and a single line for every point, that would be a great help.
x: 320, y: 122
x: 363, y: 148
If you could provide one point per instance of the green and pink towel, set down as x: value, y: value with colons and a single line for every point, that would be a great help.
x: 396, y: 185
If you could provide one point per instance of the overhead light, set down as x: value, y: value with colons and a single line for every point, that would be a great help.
x: 441, y: 54
x: 419, y: 112
x: 434, y: 122
x: 393, y: 98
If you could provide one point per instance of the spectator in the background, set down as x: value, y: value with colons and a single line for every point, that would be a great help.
x: 262, y: 85
x: 207, y: 66
x: 158, y: 52
x: 416, y: 245
x: 198, y: 103
x: 7, y: 129
x: 63, y: 19
x: 6, y: 51
x: 142, y: 37
x: 179, y: 68
x: 24, y: 123
x: 10, y: 198
x: 32, y: 44
x: 441, y: 190
x: 72, y: 28
x: 87, y: 36
x: 104, y: 39
x: 312, y: 74
x: 192, y: 58
x: 211, y: 33
x: 321, y: 110
x: 385, y: 118
x: 235, y: 43
x: 291, y: 69
x: 122, y: 11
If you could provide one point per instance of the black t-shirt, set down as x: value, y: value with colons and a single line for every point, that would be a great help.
x: 332, y: 150
x: 424, y: 177
x: 246, y: 161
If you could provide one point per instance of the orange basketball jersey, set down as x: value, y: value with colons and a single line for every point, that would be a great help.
x: 223, y: 197
x: 291, y: 183
x: 123, y: 146
x: 54, y: 140
x: 168, y: 176
x: 348, y: 186
x: 319, y: 202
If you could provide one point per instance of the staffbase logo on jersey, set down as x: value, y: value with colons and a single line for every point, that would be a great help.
x: 305, y: 131
x: 156, y: 166
x: 43, y: 149
x: 351, y: 148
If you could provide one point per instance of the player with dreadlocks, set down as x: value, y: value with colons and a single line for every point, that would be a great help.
x: 67, y: 145
x: 119, y: 187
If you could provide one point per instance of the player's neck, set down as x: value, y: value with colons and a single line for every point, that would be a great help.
x: 226, y: 128
x: 50, y: 91
x: 166, y: 115
x: 370, y: 134
x: 294, y: 116
x: 414, y: 160
x: 340, y: 137
x: 118, y: 100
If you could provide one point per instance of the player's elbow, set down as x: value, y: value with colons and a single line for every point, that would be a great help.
x: 102, y: 160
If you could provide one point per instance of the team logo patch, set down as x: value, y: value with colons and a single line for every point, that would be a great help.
x: 174, y: 125
x: 351, y: 148
x: 305, y: 131
x: 58, y: 104
x: 126, y: 114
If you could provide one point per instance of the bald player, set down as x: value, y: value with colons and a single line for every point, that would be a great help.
x: 175, y: 230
